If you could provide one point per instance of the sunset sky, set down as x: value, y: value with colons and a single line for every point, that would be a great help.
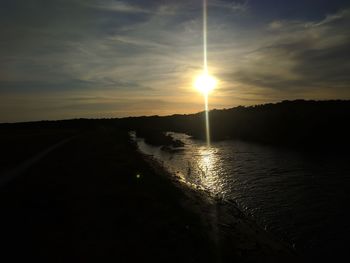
x: 62, y: 59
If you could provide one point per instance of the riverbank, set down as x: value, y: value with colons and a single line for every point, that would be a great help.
x: 97, y: 199
x: 235, y: 236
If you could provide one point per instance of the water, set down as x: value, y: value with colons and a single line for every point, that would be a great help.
x: 301, y: 198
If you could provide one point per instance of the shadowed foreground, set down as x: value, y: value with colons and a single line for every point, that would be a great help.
x: 95, y: 199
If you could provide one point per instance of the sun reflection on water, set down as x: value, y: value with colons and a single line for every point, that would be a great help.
x: 206, y: 174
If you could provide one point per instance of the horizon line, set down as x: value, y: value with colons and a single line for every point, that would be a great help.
x: 175, y: 114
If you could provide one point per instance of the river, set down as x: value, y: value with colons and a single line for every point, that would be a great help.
x: 300, y: 197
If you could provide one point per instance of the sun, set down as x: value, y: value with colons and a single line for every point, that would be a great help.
x: 205, y: 83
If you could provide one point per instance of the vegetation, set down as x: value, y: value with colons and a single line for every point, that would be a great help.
x: 158, y: 138
x: 308, y: 125
x: 300, y: 124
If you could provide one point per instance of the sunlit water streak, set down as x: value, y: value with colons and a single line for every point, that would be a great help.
x: 298, y: 197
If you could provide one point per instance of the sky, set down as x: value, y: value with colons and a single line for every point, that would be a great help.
x: 63, y: 59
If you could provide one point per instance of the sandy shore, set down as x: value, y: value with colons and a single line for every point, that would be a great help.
x: 236, y: 237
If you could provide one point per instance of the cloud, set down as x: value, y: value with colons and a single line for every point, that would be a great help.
x: 119, y: 6
x: 139, y: 52
x: 235, y: 6
x: 300, y: 58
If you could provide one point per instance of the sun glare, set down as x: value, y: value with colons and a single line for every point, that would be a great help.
x: 205, y: 83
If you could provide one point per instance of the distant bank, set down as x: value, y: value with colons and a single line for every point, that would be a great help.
x: 307, y: 125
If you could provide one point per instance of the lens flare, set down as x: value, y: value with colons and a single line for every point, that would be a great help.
x: 205, y: 83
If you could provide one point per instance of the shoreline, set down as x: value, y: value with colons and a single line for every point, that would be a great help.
x: 235, y: 235
x: 97, y: 198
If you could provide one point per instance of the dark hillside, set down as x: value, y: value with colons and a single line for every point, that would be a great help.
x: 306, y: 124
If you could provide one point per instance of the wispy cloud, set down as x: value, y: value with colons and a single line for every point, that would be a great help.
x: 120, y: 6
x: 299, y: 59
x: 143, y: 55
x: 235, y: 6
